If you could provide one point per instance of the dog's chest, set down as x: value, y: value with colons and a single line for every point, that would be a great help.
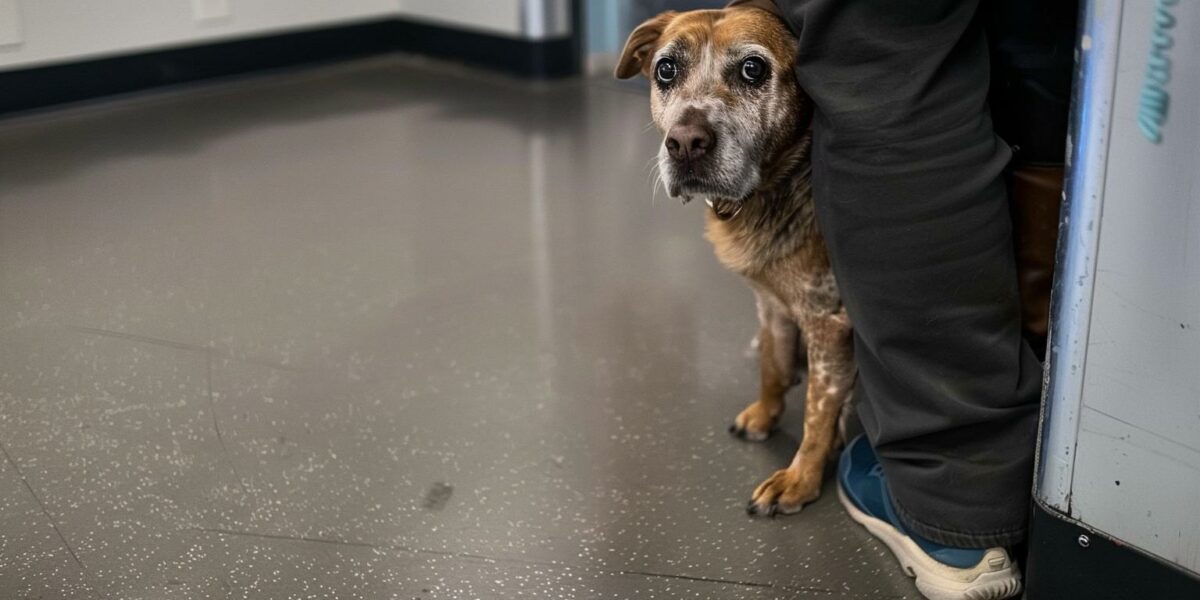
x: 795, y: 269
x: 751, y: 245
x: 734, y: 250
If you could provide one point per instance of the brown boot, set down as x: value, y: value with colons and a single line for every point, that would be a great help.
x: 1036, y: 195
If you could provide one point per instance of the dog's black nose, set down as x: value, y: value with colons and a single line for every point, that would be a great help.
x: 689, y: 141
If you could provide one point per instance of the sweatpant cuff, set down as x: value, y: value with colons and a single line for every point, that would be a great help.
x: 1005, y: 538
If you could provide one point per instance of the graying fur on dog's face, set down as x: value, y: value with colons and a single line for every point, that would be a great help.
x: 747, y: 120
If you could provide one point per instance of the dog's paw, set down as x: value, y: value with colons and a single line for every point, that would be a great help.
x: 784, y: 493
x: 754, y: 424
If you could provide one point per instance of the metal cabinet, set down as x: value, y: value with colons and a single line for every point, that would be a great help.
x: 1118, y: 485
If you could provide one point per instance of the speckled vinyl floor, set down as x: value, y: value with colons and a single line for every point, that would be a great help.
x: 381, y: 330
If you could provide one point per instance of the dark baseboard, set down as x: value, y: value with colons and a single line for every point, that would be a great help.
x: 537, y: 59
x: 41, y: 87
x: 1059, y: 567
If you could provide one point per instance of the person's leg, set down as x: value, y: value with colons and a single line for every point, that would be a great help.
x: 908, y: 189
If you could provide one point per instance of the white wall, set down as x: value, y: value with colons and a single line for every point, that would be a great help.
x: 530, y: 19
x: 62, y: 30
x: 494, y: 16
x: 41, y: 32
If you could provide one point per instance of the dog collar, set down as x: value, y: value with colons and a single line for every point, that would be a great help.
x: 721, y: 210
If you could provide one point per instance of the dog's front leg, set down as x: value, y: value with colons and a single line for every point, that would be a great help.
x: 777, y: 339
x: 830, y: 381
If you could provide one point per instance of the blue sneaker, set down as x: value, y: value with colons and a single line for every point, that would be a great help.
x: 942, y: 572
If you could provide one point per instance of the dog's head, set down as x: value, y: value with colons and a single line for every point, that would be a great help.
x: 722, y: 93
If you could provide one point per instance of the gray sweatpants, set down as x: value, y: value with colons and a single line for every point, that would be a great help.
x: 909, y: 193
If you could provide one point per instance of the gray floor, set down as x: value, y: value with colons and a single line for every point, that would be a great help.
x: 382, y: 330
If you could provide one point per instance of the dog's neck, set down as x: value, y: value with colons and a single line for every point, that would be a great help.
x: 775, y: 220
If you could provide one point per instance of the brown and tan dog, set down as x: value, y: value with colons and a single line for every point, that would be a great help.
x: 736, y: 127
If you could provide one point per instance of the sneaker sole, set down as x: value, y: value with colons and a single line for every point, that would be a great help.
x: 996, y: 577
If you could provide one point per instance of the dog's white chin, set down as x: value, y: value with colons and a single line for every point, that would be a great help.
x: 712, y: 191
x: 709, y: 193
x: 710, y: 196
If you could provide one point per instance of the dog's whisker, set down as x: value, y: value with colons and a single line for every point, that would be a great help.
x: 654, y: 177
x: 659, y: 183
x: 657, y: 175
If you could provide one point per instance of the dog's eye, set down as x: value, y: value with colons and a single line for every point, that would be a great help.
x: 666, y: 70
x: 754, y: 69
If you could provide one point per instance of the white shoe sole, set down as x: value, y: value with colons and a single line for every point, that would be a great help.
x: 996, y: 577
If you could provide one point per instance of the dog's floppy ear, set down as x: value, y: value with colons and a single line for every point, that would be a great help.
x: 640, y: 44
